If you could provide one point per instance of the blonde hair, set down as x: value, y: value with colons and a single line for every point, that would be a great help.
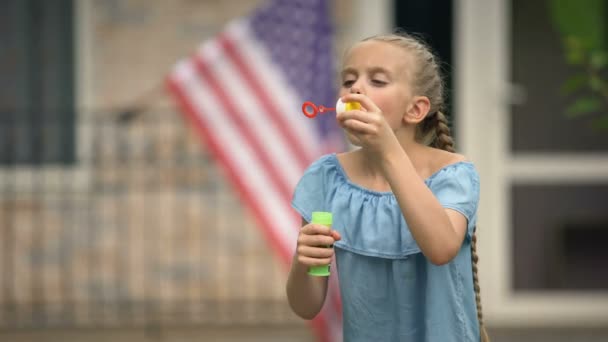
x: 434, y: 130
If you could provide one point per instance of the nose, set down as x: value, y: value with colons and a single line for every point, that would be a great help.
x: 357, y: 86
x: 355, y: 89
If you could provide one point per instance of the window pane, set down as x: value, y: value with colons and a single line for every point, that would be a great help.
x: 37, y: 83
x: 560, y: 234
x: 538, y: 66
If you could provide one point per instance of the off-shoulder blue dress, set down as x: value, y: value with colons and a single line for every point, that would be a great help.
x: 390, y: 291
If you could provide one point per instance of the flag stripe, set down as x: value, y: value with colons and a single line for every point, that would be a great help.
x: 262, y: 126
x: 286, y: 128
x: 268, y: 213
x: 242, y: 91
x: 205, y: 73
x: 321, y: 325
x: 194, y: 113
x: 334, y: 291
x: 249, y: 167
x: 331, y: 311
x: 285, y: 98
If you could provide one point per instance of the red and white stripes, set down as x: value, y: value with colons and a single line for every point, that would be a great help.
x: 249, y: 116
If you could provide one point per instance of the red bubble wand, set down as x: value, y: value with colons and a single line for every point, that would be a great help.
x: 311, y: 110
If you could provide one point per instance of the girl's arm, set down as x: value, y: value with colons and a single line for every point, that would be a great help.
x: 306, y: 294
x: 439, y: 232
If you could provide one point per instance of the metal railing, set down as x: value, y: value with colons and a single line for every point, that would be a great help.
x: 140, y: 230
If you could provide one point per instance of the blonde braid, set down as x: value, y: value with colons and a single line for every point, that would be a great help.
x: 443, y: 138
x: 474, y: 258
x: 434, y: 130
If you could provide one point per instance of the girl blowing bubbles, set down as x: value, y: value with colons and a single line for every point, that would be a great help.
x: 404, y: 207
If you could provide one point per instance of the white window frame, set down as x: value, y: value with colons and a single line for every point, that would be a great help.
x: 482, y: 69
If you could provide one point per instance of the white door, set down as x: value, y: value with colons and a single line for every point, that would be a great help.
x: 544, y: 179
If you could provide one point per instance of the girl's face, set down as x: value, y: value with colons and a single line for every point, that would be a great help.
x: 380, y: 70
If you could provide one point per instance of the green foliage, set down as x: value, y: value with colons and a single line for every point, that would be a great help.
x: 582, y: 106
x: 601, y: 123
x: 598, y: 59
x: 583, y: 27
x: 581, y: 20
x: 574, y: 83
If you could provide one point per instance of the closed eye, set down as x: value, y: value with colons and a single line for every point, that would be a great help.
x: 379, y: 83
x: 348, y: 83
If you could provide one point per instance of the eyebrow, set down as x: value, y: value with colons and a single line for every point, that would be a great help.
x: 372, y: 70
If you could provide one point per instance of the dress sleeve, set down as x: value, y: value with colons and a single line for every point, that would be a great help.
x: 457, y: 188
x: 310, y: 192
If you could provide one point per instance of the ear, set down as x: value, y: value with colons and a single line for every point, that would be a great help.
x: 418, y: 110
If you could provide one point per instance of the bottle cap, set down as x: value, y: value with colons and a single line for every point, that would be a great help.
x: 344, y: 106
x: 322, y: 217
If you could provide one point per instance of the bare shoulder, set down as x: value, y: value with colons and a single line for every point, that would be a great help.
x: 440, y: 159
x: 452, y: 157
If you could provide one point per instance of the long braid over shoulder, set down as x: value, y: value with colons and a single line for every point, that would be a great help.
x: 434, y: 130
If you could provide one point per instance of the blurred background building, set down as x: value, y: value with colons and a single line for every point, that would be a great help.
x: 117, y: 224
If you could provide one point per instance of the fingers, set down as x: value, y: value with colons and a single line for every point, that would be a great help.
x: 357, y: 122
x: 358, y: 127
x: 315, y: 252
x: 315, y: 240
x: 314, y: 256
x: 358, y: 115
x: 313, y: 243
x: 314, y: 229
x: 367, y: 120
x: 313, y: 261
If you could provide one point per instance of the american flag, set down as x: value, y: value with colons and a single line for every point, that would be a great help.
x: 243, y: 91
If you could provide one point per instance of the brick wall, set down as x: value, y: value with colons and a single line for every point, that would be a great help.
x: 153, y: 234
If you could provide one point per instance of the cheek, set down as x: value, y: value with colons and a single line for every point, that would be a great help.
x: 385, y: 104
x: 392, y: 111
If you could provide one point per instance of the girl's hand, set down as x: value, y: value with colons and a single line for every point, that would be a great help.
x: 313, y: 243
x: 367, y: 125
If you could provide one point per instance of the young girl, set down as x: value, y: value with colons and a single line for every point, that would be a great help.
x: 404, y: 207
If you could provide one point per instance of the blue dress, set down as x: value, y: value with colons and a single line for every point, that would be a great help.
x: 390, y: 291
